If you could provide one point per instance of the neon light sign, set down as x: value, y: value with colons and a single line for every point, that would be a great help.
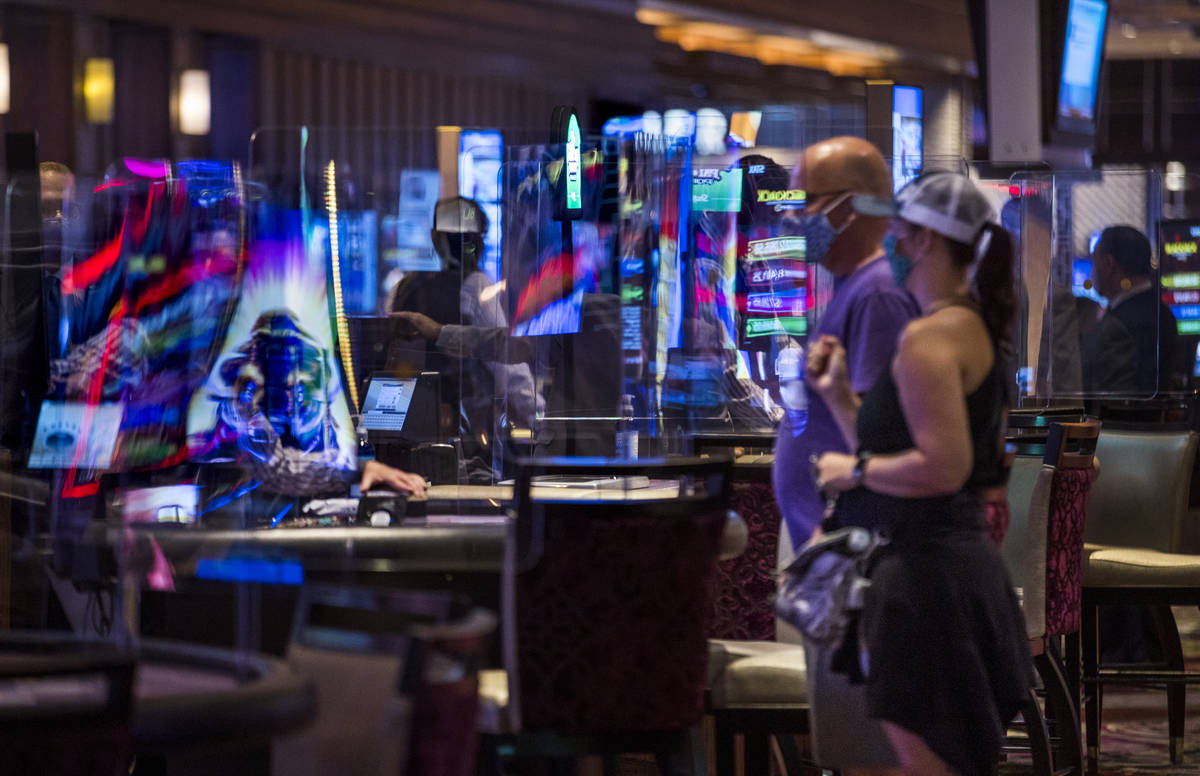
x: 574, y: 187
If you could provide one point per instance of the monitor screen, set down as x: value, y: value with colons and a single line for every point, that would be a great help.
x: 1079, y: 81
x: 386, y: 404
x: 906, y: 134
x: 479, y: 155
x: 164, y: 504
x: 75, y: 435
x: 275, y: 395
x: 1179, y: 260
x: 1081, y: 280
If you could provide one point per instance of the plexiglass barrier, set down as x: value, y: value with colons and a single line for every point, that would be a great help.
x: 1104, y: 288
x: 201, y: 357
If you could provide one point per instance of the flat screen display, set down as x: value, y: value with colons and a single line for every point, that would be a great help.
x: 165, y: 504
x: 1180, y: 267
x: 479, y: 155
x: 75, y: 435
x: 1081, y: 280
x: 386, y: 404
x: 907, y: 134
x: 1083, y: 46
x: 275, y: 395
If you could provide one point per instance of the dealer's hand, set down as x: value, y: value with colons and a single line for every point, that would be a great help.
x: 834, y: 472
x: 411, y: 324
x: 376, y: 473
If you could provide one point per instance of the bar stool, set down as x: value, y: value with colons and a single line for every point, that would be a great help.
x: 1137, y: 553
x: 1048, y: 498
x: 759, y: 689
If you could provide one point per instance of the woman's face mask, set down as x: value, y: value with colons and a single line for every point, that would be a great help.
x: 818, y: 232
x: 901, y: 263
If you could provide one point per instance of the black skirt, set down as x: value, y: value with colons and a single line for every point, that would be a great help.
x: 948, y: 656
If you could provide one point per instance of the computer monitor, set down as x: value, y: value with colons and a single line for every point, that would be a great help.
x: 402, y: 410
x: 385, y: 407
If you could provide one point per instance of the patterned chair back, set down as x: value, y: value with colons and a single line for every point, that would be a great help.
x: 607, y: 601
x: 1071, y: 450
x: 742, y: 607
x: 1048, y: 499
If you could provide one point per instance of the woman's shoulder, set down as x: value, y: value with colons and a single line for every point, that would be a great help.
x: 943, y: 334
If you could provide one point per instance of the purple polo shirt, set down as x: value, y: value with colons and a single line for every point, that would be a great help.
x: 867, y: 313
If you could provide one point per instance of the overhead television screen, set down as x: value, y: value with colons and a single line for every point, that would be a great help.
x: 1079, y: 81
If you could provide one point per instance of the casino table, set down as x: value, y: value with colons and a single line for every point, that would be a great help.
x: 457, y: 545
x: 443, y: 540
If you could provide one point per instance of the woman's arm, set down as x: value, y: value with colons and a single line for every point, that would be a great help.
x: 929, y: 378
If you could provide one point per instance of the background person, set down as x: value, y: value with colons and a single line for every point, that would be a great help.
x: 1130, y: 351
x: 866, y: 312
x: 946, y: 661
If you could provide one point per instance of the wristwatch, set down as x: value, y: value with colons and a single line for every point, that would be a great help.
x: 860, y: 470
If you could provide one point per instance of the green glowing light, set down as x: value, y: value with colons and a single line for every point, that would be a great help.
x: 574, y: 166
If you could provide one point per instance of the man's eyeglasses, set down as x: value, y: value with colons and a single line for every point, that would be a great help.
x: 812, y: 197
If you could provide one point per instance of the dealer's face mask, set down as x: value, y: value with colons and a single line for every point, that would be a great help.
x: 818, y: 232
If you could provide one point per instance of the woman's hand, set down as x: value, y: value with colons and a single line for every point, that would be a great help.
x: 376, y: 473
x: 834, y: 472
x: 825, y: 371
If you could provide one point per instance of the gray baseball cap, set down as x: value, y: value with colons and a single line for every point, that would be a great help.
x: 946, y: 202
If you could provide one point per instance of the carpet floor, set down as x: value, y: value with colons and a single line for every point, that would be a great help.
x: 1133, y: 731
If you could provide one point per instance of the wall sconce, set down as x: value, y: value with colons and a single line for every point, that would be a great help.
x: 4, y: 81
x: 195, y: 103
x: 98, y: 89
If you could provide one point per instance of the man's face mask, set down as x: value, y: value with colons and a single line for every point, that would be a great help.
x: 817, y: 230
x: 457, y: 249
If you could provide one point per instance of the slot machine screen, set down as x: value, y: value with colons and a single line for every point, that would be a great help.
x: 275, y: 396
x: 1179, y: 265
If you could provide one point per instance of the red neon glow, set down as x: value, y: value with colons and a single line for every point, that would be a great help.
x: 88, y: 271
x: 94, y: 394
x: 552, y: 282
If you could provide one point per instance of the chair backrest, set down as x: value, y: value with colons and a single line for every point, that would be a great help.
x: 1140, y: 497
x: 606, y: 600
x: 742, y: 606
x: 366, y: 651
x: 65, y: 706
x: 1071, y: 449
x: 1029, y: 485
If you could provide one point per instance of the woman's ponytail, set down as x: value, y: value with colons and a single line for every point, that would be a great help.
x: 994, y: 287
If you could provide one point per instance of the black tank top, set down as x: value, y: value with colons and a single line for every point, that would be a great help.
x: 883, y: 429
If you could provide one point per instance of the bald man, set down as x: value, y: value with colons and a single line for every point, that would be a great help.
x: 867, y: 311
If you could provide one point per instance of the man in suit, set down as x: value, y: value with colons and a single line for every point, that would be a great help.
x: 1130, y: 351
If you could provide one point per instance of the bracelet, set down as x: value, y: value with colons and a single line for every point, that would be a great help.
x: 860, y: 470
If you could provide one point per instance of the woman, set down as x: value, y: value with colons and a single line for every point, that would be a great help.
x: 945, y: 658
